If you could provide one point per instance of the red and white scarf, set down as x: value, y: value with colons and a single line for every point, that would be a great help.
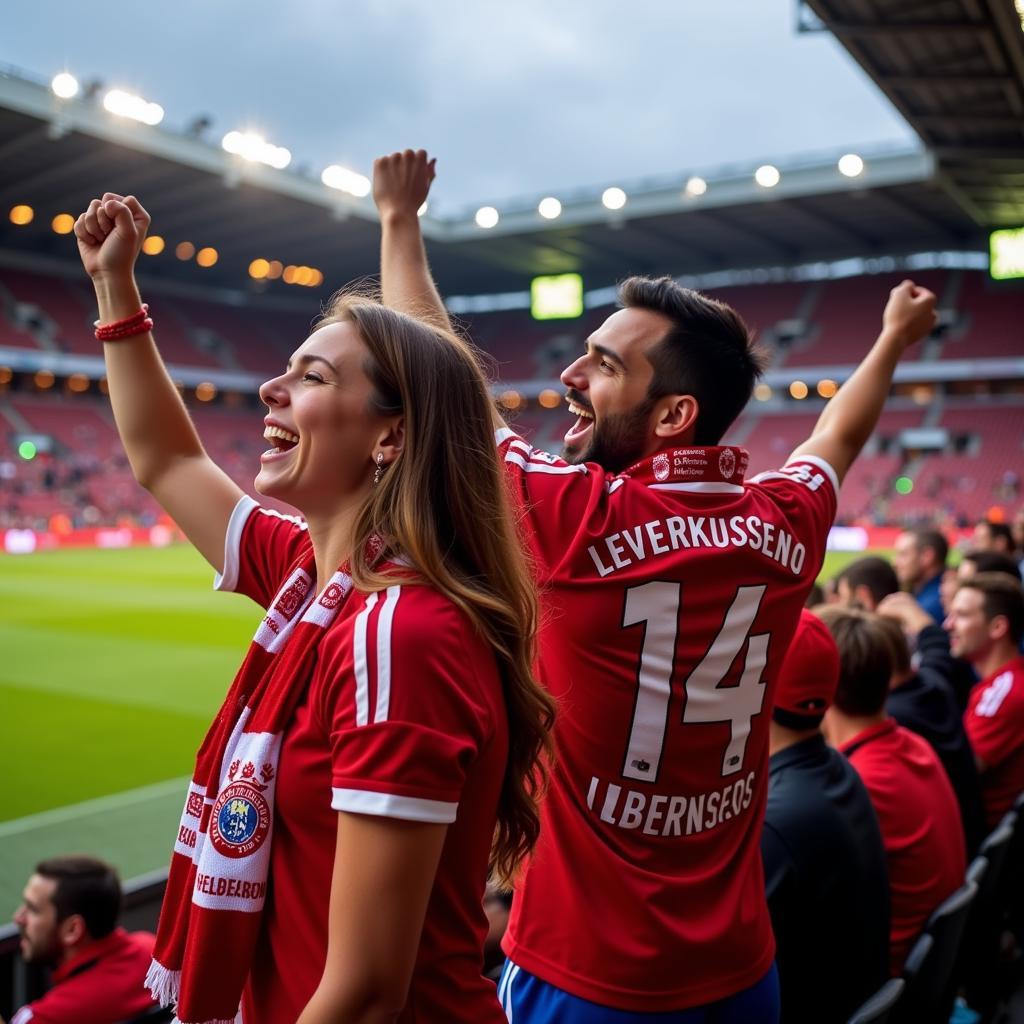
x: 217, y: 884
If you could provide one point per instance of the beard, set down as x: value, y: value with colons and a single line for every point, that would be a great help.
x: 45, y: 953
x: 618, y: 441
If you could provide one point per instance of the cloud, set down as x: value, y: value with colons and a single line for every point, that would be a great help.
x: 515, y: 99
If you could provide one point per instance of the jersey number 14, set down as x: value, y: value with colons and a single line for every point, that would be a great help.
x: 657, y: 607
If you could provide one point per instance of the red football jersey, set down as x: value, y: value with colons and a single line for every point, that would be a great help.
x: 405, y: 718
x: 994, y: 722
x: 920, y: 822
x: 671, y: 594
x: 103, y: 983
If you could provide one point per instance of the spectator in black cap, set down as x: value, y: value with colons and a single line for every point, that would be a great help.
x: 824, y: 862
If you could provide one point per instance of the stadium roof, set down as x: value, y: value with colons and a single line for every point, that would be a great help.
x: 955, y: 70
x: 57, y: 154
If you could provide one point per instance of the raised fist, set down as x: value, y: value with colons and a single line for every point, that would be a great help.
x: 110, y: 235
x: 910, y: 313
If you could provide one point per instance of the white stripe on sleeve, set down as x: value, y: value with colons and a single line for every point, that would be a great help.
x: 359, y: 657
x: 387, y: 613
x: 227, y: 580
x: 388, y: 805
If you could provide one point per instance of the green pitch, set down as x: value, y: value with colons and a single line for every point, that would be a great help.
x: 111, y: 666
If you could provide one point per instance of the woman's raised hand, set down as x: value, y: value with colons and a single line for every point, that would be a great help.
x: 401, y: 182
x: 110, y: 235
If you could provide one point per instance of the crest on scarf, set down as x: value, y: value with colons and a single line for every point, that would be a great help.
x: 727, y: 463
x: 240, y: 820
x: 661, y: 467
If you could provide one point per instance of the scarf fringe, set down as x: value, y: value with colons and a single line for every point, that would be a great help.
x: 163, y: 984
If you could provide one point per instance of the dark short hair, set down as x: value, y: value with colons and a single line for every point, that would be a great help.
x: 1001, y: 530
x: 924, y: 537
x: 993, y: 561
x: 1000, y: 596
x: 708, y: 352
x: 874, y: 573
x: 865, y: 659
x: 85, y: 886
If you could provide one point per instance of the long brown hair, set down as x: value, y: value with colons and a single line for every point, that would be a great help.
x: 444, y: 505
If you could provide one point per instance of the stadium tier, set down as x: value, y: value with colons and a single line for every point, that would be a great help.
x: 969, y: 466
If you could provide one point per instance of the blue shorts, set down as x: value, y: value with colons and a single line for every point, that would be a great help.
x: 528, y: 1000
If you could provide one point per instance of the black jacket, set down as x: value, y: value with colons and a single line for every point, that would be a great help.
x: 926, y: 704
x: 826, y: 882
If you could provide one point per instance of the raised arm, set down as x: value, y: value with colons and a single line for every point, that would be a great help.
x: 401, y: 183
x: 850, y: 418
x: 163, y: 448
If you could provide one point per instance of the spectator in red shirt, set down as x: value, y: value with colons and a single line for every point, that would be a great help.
x: 986, y: 624
x: 916, y: 807
x: 68, y: 921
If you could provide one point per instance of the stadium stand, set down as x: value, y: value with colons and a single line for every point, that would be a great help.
x: 977, y: 467
x: 845, y: 318
x: 989, y: 321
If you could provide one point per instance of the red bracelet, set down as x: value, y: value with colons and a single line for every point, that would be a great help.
x: 137, y: 323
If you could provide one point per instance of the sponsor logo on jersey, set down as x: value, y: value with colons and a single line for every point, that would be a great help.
x: 240, y: 821
x: 727, y: 463
x: 661, y: 466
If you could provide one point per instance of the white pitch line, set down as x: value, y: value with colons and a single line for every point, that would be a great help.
x: 114, y: 802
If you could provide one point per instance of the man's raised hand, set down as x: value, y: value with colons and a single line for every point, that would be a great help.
x: 401, y: 182
x: 910, y: 313
x: 110, y: 235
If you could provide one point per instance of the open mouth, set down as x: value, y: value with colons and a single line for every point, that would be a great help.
x: 584, y: 421
x: 281, y: 440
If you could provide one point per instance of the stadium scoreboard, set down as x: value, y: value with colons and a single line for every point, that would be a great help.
x: 556, y: 297
x: 1006, y: 254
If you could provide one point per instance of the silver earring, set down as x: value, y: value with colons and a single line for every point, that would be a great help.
x: 379, y: 472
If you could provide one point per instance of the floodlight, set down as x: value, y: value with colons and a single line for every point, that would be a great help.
x: 851, y: 165
x: 126, y: 104
x: 798, y: 389
x: 252, y: 146
x: 63, y: 224
x: 1006, y: 254
x: 613, y: 198
x: 64, y: 85
x: 696, y: 186
x: 487, y: 217
x: 549, y: 208
x: 344, y: 180
x: 556, y: 297
x: 21, y: 215
x: 767, y: 176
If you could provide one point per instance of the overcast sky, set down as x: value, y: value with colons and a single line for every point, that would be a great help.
x: 515, y: 99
